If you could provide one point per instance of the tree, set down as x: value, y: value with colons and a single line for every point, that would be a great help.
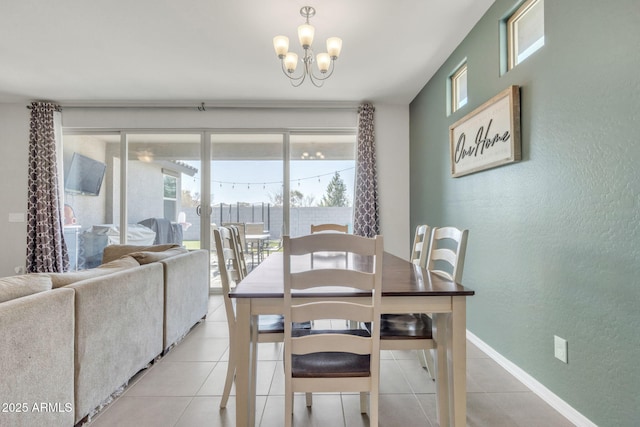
x: 190, y: 200
x: 336, y: 194
x: 297, y: 199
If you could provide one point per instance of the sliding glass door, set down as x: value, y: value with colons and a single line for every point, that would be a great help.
x: 247, y: 190
x: 155, y: 185
x: 163, y: 188
x: 322, y: 172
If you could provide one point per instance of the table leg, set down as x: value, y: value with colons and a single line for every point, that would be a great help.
x: 442, y: 337
x: 245, y: 400
x: 458, y: 364
x: 253, y: 372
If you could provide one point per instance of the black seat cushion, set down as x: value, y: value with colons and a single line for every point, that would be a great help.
x: 330, y: 364
x: 274, y: 324
x: 405, y: 326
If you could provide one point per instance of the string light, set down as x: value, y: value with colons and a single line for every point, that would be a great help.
x: 264, y: 184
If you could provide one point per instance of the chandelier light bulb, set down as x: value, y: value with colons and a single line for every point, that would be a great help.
x: 324, y: 61
x: 334, y: 46
x: 291, y: 61
x: 305, y: 35
x: 281, y: 45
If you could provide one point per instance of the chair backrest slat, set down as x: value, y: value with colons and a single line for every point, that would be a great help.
x: 332, y: 243
x: 331, y: 342
x: 226, y: 254
x: 333, y: 277
x: 341, y: 228
x: 421, y: 245
x: 448, y: 246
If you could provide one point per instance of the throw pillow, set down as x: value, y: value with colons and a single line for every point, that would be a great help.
x: 64, y: 279
x: 146, y: 257
x: 19, y: 286
x: 113, y: 252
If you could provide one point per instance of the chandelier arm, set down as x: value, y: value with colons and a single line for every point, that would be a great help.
x: 291, y: 76
x: 324, y: 76
x: 313, y: 79
x: 297, y: 82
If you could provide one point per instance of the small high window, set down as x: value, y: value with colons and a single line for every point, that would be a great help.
x: 525, y: 31
x: 459, y: 88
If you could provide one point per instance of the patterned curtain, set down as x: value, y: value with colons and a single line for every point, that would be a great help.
x: 46, y: 250
x: 366, y: 221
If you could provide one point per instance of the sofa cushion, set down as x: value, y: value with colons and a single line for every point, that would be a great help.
x: 113, y: 252
x: 146, y: 257
x: 63, y: 279
x: 20, y: 286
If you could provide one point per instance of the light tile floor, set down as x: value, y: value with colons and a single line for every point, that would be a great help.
x: 183, y: 389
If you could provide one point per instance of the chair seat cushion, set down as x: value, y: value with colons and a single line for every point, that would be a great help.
x: 405, y: 326
x: 330, y: 364
x: 270, y: 324
x: 274, y: 324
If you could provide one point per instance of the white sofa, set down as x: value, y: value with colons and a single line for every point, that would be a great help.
x: 96, y: 329
x: 36, y: 357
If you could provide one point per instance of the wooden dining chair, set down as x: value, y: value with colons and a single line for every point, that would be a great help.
x: 334, y: 360
x: 420, y: 247
x: 270, y: 327
x: 236, y: 245
x: 341, y: 228
x: 241, y: 229
x: 413, y: 331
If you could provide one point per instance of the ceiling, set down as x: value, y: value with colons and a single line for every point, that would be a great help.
x: 87, y: 52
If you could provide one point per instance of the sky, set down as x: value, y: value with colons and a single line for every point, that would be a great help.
x: 256, y: 181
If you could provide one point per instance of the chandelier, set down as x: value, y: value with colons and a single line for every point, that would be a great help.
x: 325, y: 61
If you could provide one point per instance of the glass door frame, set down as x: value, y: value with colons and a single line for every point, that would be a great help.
x: 205, y: 161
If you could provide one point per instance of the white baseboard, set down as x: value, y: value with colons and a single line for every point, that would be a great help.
x: 544, y: 393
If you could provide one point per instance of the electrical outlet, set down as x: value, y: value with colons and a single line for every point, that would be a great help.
x: 16, y: 217
x: 560, y: 349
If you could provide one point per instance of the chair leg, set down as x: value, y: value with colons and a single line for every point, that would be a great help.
x: 363, y: 402
x: 288, y: 406
x: 373, y: 410
x: 228, y: 382
x: 426, y: 359
x: 431, y: 365
x: 422, y: 357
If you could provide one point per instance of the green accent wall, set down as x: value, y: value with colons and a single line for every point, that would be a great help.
x: 554, y: 244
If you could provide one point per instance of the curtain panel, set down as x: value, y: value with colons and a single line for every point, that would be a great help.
x: 366, y: 217
x: 46, y: 250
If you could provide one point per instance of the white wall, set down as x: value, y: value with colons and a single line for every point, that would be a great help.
x: 392, y: 138
x: 14, y: 157
x: 392, y: 145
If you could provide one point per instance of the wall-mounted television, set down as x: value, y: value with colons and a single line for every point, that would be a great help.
x: 85, y: 175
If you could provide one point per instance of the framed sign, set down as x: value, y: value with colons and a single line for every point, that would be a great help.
x: 487, y: 137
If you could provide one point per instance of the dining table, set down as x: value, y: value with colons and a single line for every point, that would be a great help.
x: 406, y: 288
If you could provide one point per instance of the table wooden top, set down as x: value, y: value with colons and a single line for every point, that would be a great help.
x: 399, y: 277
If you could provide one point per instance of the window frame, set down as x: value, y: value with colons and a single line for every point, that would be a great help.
x: 512, y: 31
x: 454, y: 80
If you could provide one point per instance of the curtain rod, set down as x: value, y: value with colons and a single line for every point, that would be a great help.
x: 204, y: 107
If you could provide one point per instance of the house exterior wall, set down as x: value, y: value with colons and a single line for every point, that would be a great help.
x: 554, y: 244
